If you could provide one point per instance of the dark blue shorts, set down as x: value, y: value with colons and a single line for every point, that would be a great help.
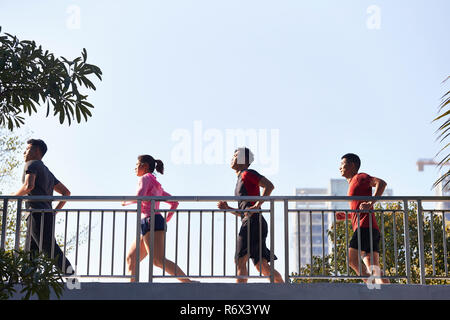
x: 160, y: 224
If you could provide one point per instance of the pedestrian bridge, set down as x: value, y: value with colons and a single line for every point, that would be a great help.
x: 306, y: 244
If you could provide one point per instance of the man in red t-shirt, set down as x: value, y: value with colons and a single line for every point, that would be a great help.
x: 361, y: 184
x: 253, y: 223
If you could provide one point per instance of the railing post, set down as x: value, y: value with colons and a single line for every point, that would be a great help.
x: 286, y: 242
x: 4, y: 222
x: 420, y: 241
x: 359, y: 243
x: 52, y: 250
x: 18, y: 219
x: 138, y: 240
x: 407, y: 243
x: 152, y: 240
x: 272, y: 242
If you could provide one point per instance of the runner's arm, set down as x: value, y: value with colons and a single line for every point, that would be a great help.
x: 62, y: 190
x: 27, y: 186
x: 380, y: 186
x: 224, y: 205
x: 267, y: 187
x: 173, y: 205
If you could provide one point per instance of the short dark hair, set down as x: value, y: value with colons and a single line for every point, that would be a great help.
x: 246, y: 158
x: 40, y: 144
x: 353, y: 158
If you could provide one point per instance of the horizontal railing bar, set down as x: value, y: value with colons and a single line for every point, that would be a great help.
x: 227, y: 210
x: 80, y: 210
x: 171, y: 277
x: 156, y: 210
x: 98, y: 276
x: 212, y: 277
x: 230, y: 198
x: 349, y: 210
x: 344, y: 277
x: 214, y: 210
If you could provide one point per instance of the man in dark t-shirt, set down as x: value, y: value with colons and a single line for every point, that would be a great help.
x: 251, y: 242
x: 364, y: 223
x: 38, y: 180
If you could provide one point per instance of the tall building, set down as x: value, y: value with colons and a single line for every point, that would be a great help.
x: 443, y: 190
x: 314, y: 221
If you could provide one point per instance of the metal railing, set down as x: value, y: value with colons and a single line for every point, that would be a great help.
x: 413, y: 249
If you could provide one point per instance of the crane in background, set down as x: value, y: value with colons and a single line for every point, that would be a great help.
x: 421, y: 163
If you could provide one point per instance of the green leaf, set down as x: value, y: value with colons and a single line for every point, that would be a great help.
x: 84, y: 53
x: 77, y: 111
x: 61, y: 116
x: 442, y: 115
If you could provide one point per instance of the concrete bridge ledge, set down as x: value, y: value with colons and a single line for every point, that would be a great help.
x: 251, y: 291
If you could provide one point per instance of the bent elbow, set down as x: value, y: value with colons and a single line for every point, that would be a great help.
x: 28, y: 188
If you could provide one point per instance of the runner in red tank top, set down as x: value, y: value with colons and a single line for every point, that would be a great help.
x: 361, y: 184
x: 249, y: 184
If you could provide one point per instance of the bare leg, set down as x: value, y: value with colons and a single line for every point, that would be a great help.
x: 354, y: 260
x: 242, y: 269
x: 131, y: 258
x: 159, y: 259
x: 264, y: 267
x: 376, y: 266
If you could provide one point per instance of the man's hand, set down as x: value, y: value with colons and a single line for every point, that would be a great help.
x: 340, y: 215
x: 257, y: 205
x: 223, y: 205
x: 366, y: 205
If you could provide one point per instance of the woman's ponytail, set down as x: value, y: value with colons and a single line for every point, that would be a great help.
x: 159, y: 166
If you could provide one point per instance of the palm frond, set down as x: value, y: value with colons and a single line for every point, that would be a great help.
x: 444, y: 133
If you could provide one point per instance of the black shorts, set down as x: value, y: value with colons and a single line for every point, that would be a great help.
x: 160, y: 224
x: 257, y: 248
x: 365, y: 240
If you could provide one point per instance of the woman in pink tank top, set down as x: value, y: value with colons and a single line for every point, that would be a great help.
x: 149, y: 186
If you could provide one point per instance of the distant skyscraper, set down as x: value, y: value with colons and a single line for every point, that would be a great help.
x: 313, y: 238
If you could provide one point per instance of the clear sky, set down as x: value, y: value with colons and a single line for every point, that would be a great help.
x: 317, y: 78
